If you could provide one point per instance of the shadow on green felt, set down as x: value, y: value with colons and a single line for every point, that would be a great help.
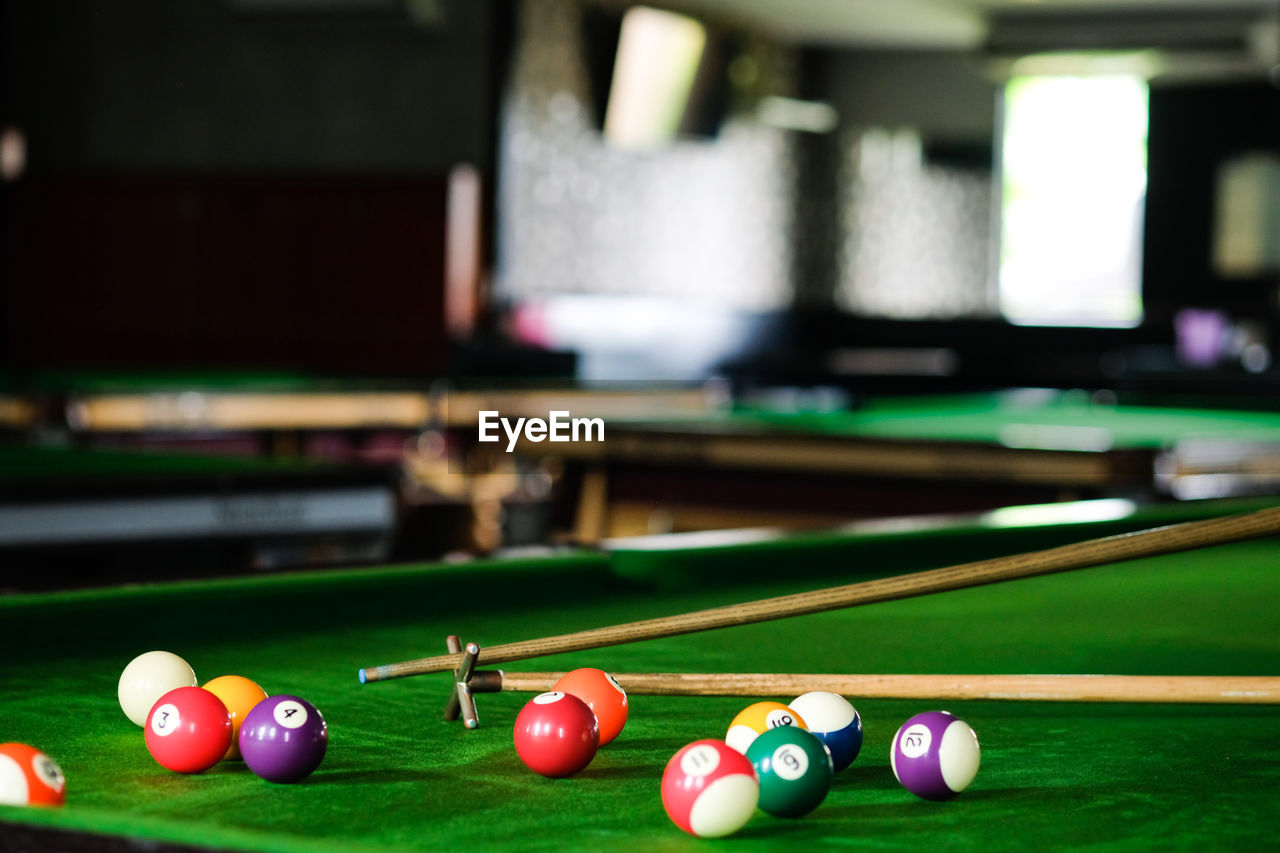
x: 374, y: 777
x: 866, y: 778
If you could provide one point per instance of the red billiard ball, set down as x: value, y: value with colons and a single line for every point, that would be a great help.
x: 188, y: 730
x: 28, y: 777
x: 603, y: 695
x: 709, y: 789
x: 556, y: 734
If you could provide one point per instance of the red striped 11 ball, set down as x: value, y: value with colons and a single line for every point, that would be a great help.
x: 28, y: 777
x: 283, y: 739
x: 709, y: 789
x: 188, y: 730
x: 556, y: 734
x: 935, y: 755
x: 835, y: 722
x: 794, y: 769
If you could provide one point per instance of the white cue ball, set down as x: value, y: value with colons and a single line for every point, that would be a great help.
x: 148, y: 677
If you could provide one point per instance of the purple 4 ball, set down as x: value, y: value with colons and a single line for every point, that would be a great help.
x: 935, y: 755
x: 283, y: 739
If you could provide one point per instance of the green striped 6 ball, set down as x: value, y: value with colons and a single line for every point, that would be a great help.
x: 794, y: 769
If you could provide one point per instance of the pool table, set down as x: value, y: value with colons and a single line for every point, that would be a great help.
x: 257, y: 420
x: 91, y: 404
x: 71, y: 515
x: 809, y: 460
x: 397, y: 777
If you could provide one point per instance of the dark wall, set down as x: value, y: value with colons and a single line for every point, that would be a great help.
x: 226, y: 85
x: 330, y: 274
x: 1193, y: 129
x: 943, y: 95
x: 238, y: 183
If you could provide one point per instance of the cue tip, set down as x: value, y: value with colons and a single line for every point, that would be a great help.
x: 363, y: 676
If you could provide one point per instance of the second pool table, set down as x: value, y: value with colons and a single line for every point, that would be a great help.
x: 807, y: 462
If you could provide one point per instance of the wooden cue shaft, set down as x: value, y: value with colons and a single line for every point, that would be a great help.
x: 1217, y: 689
x: 1092, y: 552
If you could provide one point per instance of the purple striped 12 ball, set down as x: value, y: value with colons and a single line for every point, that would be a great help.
x: 283, y: 739
x: 935, y: 755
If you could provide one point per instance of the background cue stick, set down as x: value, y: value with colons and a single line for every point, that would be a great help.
x: 1093, y: 552
x: 1216, y: 689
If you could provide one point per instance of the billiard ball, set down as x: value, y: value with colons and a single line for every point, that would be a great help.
x: 603, y: 695
x: 709, y: 789
x: 794, y: 769
x: 240, y: 695
x: 188, y: 730
x: 935, y: 755
x: 757, y: 718
x: 835, y: 722
x: 556, y: 734
x: 283, y: 739
x: 28, y: 777
x: 148, y: 677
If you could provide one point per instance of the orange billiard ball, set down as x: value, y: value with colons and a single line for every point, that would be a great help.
x: 603, y: 695
x: 28, y: 777
x: 240, y: 695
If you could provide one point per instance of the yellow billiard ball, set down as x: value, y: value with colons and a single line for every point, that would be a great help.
x: 758, y: 718
x: 240, y: 695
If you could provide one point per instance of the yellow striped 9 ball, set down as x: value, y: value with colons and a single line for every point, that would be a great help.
x: 757, y: 718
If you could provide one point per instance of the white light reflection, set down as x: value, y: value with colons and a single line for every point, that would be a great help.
x: 1073, y: 512
x: 658, y: 56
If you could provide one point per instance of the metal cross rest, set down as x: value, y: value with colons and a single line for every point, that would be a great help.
x: 467, y: 681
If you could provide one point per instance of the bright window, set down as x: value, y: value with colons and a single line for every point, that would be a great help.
x: 1074, y: 172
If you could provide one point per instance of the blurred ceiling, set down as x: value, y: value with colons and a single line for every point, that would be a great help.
x: 957, y: 24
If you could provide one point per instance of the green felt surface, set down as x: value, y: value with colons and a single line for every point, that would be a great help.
x: 1051, y: 420
x: 1054, y: 775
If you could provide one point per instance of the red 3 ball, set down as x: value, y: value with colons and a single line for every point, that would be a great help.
x: 556, y: 734
x: 188, y: 730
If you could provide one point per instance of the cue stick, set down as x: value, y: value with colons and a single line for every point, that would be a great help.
x: 1092, y: 552
x: 1209, y: 689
